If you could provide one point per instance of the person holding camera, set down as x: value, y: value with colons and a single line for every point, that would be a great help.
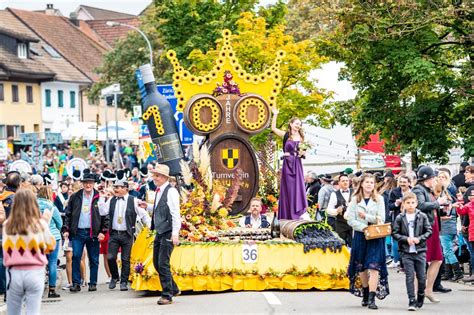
x: 86, y: 227
x: 337, y: 207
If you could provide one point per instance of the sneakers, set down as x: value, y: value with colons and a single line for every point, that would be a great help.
x: 112, y: 283
x: 92, y: 287
x: 123, y: 286
x: 420, y: 300
x: 412, y: 305
x: 75, y: 288
x: 393, y: 264
x: 67, y: 286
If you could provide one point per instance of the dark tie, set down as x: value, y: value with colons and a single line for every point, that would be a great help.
x: 120, y: 198
x: 345, y: 191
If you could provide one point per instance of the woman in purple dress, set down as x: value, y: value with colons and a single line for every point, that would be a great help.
x: 292, y: 204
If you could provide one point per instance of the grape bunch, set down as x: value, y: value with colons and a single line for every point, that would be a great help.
x: 313, y: 237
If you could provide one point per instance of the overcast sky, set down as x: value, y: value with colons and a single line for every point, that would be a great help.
x: 68, y: 6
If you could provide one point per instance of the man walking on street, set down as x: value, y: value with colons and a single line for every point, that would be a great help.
x: 167, y: 223
x: 122, y: 210
x: 86, y: 227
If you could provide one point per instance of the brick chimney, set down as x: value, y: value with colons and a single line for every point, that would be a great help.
x: 50, y: 9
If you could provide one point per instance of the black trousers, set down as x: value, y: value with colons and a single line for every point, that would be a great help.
x: 120, y: 239
x: 162, y: 249
x: 345, y: 232
x: 414, y: 264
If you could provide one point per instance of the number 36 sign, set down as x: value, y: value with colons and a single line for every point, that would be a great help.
x: 249, y: 253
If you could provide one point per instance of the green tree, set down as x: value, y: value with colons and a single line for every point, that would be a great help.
x: 255, y: 46
x: 411, y: 63
x: 181, y: 25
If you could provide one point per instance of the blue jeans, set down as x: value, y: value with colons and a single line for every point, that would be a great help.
x: 395, y: 254
x: 3, y: 275
x: 388, y: 241
x: 53, y: 265
x: 92, y: 244
x: 447, y: 245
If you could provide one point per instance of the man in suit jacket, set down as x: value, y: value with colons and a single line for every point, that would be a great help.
x: 86, y: 227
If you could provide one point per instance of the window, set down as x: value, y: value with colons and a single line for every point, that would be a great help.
x: 15, y: 131
x: 2, y: 94
x: 72, y: 96
x: 15, y: 97
x: 60, y: 98
x: 3, y: 132
x: 36, y: 127
x: 50, y: 50
x: 47, y: 129
x: 48, y: 97
x: 29, y: 94
x: 22, y: 50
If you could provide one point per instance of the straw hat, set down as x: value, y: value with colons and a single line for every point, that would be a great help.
x: 161, y: 169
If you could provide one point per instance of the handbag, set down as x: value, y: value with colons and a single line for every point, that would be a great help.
x: 379, y: 230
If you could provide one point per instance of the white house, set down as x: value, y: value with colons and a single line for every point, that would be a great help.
x: 59, y: 105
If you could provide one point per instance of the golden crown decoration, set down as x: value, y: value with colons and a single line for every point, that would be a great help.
x: 266, y: 84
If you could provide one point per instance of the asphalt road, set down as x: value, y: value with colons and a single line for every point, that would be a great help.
x: 105, y: 301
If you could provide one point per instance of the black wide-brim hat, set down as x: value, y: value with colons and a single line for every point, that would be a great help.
x: 88, y: 177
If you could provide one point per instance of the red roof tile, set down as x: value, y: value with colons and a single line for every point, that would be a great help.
x: 68, y: 40
x: 112, y: 34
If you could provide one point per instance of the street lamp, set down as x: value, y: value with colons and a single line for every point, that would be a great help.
x: 114, y: 24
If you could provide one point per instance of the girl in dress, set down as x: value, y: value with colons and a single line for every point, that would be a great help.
x: 367, y: 271
x: 292, y: 204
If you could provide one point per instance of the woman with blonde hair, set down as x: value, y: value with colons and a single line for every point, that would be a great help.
x: 367, y: 261
x: 25, y: 263
x: 292, y: 204
x: 45, y: 196
x: 448, y: 230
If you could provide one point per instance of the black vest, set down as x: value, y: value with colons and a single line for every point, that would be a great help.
x: 342, y: 202
x: 161, y: 219
x: 130, y: 214
x: 263, y: 221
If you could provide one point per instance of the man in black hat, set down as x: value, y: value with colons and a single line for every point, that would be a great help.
x: 122, y: 210
x: 86, y: 227
x: 147, y: 190
x: 429, y: 205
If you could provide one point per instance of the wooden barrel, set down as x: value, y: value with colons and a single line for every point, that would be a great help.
x: 288, y: 227
x: 203, y: 114
x: 230, y: 154
x: 252, y: 114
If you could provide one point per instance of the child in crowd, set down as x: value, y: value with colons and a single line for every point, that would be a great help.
x: 26, y: 241
x: 411, y: 229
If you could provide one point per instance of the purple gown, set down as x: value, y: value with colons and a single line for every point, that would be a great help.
x: 292, y: 203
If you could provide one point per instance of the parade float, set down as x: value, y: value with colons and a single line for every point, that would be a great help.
x: 228, y: 105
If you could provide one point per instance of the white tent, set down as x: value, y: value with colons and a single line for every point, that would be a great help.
x: 89, y: 131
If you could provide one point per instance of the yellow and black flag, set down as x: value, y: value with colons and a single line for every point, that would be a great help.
x: 230, y: 157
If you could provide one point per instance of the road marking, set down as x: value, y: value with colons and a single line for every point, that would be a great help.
x: 271, y: 298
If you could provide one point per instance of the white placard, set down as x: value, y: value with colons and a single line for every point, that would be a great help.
x: 249, y: 253
x: 20, y: 166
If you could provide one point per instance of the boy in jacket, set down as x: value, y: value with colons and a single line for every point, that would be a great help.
x: 411, y: 229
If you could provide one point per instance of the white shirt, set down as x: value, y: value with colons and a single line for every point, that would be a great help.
x: 173, y: 204
x: 411, y: 229
x: 120, y: 209
x: 331, y: 209
x: 255, y: 223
